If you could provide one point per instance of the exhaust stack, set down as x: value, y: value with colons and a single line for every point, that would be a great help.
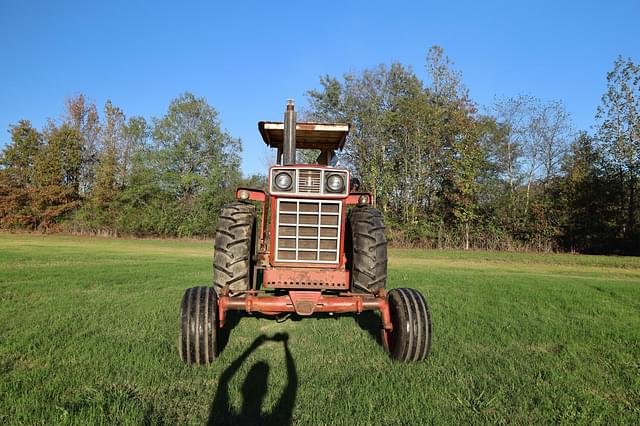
x: 289, y: 139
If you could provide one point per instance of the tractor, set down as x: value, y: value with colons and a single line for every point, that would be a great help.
x: 320, y: 249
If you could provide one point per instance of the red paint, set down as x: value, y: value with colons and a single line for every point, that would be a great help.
x: 306, y: 196
x: 312, y: 302
x: 263, y: 225
x: 354, y: 198
x: 306, y: 278
x: 342, y: 260
x: 254, y: 194
x: 343, y: 227
x: 301, y: 272
x: 272, y: 230
x: 261, y: 197
x: 304, y: 302
x: 301, y: 284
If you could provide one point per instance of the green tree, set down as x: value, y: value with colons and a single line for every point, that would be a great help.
x: 584, y: 196
x: 16, y: 175
x: 82, y: 115
x: 553, y: 130
x: 198, y: 164
x: 107, y: 174
x: 415, y: 147
x: 460, y: 135
x: 56, y: 175
x: 619, y: 131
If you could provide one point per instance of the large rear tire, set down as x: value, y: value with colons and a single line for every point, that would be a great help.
x: 410, y: 339
x: 234, y: 247
x: 199, y: 326
x: 366, y: 249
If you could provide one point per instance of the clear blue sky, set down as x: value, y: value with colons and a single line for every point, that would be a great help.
x: 247, y: 59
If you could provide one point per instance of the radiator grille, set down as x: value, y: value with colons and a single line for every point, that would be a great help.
x: 308, y: 231
x: 309, y: 181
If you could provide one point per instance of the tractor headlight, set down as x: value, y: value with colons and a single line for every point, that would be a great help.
x: 335, y: 183
x: 283, y: 181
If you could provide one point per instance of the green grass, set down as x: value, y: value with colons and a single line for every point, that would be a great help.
x: 89, y: 330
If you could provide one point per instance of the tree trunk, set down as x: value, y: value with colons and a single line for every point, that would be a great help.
x: 526, y: 205
x: 631, y: 219
x: 466, y: 236
x: 511, y: 191
x: 620, y: 217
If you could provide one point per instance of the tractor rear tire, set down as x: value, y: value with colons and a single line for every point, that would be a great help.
x: 199, y: 326
x: 234, y: 247
x: 410, y: 339
x: 367, y: 249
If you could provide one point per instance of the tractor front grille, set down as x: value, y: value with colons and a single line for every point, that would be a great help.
x: 309, y: 181
x: 308, y: 231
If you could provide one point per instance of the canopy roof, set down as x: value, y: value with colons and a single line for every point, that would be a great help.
x: 322, y: 136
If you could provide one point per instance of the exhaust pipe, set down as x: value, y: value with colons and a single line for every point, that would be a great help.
x: 289, y: 140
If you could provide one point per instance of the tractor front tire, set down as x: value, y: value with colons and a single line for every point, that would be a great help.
x: 367, y: 249
x: 234, y: 247
x: 199, y: 326
x: 410, y: 339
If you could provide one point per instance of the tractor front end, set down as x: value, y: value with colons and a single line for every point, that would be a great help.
x: 320, y: 247
x: 304, y: 245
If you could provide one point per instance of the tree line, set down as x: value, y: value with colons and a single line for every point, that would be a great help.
x: 516, y: 175
x: 109, y: 174
x: 447, y: 173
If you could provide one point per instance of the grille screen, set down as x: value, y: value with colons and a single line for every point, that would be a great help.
x: 309, y: 181
x: 308, y: 231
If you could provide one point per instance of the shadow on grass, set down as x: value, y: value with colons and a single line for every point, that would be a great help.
x: 231, y: 321
x: 370, y: 322
x: 254, y: 389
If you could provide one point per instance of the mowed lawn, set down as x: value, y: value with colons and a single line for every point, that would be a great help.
x: 89, y: 328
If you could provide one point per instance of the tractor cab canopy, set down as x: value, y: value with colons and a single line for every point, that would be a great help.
x: 325, y: 137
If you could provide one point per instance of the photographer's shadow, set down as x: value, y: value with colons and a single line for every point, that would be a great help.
x: 254, y: 390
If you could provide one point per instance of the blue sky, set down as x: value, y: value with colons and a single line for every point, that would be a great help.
x: 248, y: 58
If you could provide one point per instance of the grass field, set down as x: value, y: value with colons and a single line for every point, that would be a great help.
x: 89, y: 335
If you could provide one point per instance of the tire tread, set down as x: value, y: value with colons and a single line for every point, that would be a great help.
x: 198, y: 326
x: 366, y: 245
x: 233, y: 247
x: 411, y: 325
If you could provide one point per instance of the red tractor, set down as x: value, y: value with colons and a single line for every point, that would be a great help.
x: 320, y: 248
